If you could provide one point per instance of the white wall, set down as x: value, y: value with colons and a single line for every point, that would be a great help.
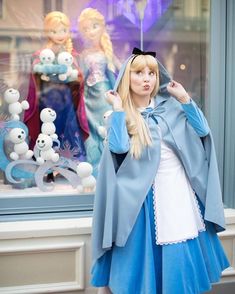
x: 53, y: 256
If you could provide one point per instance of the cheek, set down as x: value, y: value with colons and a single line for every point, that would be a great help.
x: 99, y: 31
x: 137, y: 82
x: 134, y: 84
x: 153, y: 81
x: 50, y: 36
x: 66, y: 35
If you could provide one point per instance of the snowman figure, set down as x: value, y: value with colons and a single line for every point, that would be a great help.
x: 47, y: 57
x: 102, y: 130
x: 65, y: 58
x: 21, y: 149
x: 43, y: 149
x: 48, y: 116
x: 88, y: 182
x: 12, y: 96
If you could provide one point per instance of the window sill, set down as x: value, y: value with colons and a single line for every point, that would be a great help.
x: 72, y: 226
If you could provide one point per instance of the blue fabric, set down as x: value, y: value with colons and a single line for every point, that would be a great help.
x: 59, y: 98
x: 142, y: 267
x: 196, y: 118
x: 118, y: 137
x: 96, y: 106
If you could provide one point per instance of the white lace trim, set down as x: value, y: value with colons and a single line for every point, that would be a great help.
x: 199, y: 211
x: 155, y: 213
x: 181, y: 240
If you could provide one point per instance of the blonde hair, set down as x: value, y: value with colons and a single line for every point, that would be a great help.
x: 105, y: 41
x: 136, y: 126
x: 51, y: 21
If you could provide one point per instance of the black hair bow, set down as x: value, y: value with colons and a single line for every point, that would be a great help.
x: 137, y: 51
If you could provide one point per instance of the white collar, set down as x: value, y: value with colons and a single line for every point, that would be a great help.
x: 151, y: 104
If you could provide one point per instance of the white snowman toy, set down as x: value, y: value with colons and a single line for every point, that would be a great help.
x: 43, y: 149
x: 102, y: 130
x: 48, y: 116
x: 88, y: 182
x: 65, y: 58
x: 21, y: 149
x: 12, y: 96
x: 47, y: 57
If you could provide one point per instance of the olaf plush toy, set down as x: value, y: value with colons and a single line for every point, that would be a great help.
x: 43, y: 149
x: 102, y: 130
x: 65, y: 58
x: 47, y: 58
x: 12, y: 96
x: 47, y: 117
x: 88, y: 182
x: 21, y: 149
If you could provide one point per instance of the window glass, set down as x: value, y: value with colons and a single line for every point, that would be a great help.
x: 84, y: 51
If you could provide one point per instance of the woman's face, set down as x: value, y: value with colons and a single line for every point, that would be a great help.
x: 92, y: 30
x: 59, y: 35
x: 142, y: 82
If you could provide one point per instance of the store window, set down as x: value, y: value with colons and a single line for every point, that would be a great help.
x: 177, y: 30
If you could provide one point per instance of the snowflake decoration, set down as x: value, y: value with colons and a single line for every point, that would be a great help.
x: 69, y: 152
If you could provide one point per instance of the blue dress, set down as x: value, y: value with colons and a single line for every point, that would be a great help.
x: 98, y: 80
x: 58, y: 97
x: 142, y: 266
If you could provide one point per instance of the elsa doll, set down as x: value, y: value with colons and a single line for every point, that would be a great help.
x: 65, y: 97
x: 98, y: 63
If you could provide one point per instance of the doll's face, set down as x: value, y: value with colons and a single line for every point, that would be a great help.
x: 59, y: 35
x: 11, y: 95
x: 47, y: 115
x: 44, y: 142
x: 47, y: 56
x: 65, y: 58
x: 142, y: 82
x: 92, y: 30
x: 17, y: 135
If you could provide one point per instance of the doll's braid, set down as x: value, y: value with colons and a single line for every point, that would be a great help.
x: 69, y: 45
x: 108, y: 49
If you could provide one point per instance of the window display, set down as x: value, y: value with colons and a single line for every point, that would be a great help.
x: 56, y: 67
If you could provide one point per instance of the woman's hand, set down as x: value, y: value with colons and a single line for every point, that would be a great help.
x: 178, y: 91
x: 115, y: 100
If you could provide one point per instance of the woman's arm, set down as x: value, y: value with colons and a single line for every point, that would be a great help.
x: 118, y: 138
x: 196, y: 118
x: 193, y: 113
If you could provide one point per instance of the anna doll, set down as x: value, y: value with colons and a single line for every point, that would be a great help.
x: 65, y: 97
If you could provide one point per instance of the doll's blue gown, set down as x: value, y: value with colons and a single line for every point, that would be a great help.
x: 98, y: 80
x: 58, y: 97
x: 143, y: 267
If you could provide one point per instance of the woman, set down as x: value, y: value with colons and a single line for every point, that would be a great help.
x: 98, y: 63
x: 158, y: 202
x: 65, y: 97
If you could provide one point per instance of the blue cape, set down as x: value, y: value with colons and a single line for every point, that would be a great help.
x: 121, y: 190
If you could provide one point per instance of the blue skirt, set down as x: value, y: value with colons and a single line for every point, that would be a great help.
x: 142, y: 267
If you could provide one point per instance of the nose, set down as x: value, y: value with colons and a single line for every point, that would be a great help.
x: 146, y: 78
